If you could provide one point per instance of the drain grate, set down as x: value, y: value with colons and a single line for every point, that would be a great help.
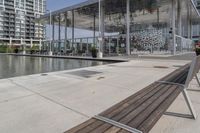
x: 84, y: 73
x: 162, y: 67
x: 44, y: 74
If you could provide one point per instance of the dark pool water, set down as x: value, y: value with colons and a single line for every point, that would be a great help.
x: 12, y: 66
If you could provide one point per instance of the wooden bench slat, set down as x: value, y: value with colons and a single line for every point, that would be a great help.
x: 142, y: 116
x: 135, y: 115
x: 119, y: 115
x: 85, y: 124
x: 129, y: 114
x: 130, y: 100
x: 106, y: 126
x: 126, y: 104
x: 137, y: 109
x: 146, y: 89
x: 173, y: 74
x: 148, y: 124
x: 113, y: 128
x: 91, y: 127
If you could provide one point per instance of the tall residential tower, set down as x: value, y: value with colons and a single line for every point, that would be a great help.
x: 17, y: 24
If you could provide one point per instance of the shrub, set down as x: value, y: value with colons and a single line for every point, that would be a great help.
x: 3, y: 49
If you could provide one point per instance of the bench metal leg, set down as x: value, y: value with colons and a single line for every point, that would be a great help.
x: 117, y: 124
x: 186, y: 96
x: 189, y: 103
x: 197, y: 79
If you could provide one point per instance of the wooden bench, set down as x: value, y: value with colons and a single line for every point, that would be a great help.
x: 141, y: 111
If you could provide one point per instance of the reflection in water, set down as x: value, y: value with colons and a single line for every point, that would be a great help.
x: 11, y: 66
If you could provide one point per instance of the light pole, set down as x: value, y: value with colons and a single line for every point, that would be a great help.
x: 100, y: 54
x: 50, y: 39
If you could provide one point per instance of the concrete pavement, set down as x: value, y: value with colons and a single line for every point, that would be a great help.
x: 58, y: 101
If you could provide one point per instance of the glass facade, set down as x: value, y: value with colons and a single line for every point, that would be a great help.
x: 127, y: 26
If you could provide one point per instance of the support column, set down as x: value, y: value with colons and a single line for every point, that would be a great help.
x: 117, y: 45
x: 53, y: 34
x: 50, y: 41
x: 59, y: 35
x: 189, y: 22
x: 179, y: 21
x: 94, y: 30
x: 173, y: 27
x: 31, y: 42
x: 81, y: 43
x: 10, y: 42
x: 40, y: 47
x: 128, y: 27
x: 101, y: 29
x: 66, y: 24
x: 40, y: 43
x: 109, y: 47
x: 21, y: 41
x: 158, y: 18
x: 73, y: 46
x: 87, y: 47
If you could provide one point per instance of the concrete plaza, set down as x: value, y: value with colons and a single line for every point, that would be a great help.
x: 57, y: 101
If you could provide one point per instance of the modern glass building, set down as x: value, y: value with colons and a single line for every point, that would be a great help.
x: 17, y: 24
x: 124, y: 27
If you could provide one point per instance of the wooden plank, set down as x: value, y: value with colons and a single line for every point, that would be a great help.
x: 128, y: 100
x: 126, y: 117
x: 180, y: 73
x: 139, y: 115
x: 156, y: 109
x: 181, y: 77
x: 136, y: 101
x: 114, y: 130
x: 147, y: 112
x: 131, y: 107
x: 147, y: 125
x: 185, y: 76
x: 91, y: 127
x: 123, y: 107
x: 156, y: 115
x: 95, y: 125
x: 133, y: 98
x: 168, y: 77
x: 106, y: 126
x: 174, y: 73
x: 77, y: 128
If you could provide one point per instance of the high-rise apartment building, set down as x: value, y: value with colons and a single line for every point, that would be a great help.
x: 17, y: 24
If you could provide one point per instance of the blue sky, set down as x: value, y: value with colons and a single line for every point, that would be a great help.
x: 58, y: 4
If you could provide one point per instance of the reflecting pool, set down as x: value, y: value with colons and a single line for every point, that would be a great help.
x: 12, y: 66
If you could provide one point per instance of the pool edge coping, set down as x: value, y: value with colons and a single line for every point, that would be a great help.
x: 71, y: 57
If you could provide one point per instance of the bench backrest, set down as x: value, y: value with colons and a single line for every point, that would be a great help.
x: 194, y: 69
